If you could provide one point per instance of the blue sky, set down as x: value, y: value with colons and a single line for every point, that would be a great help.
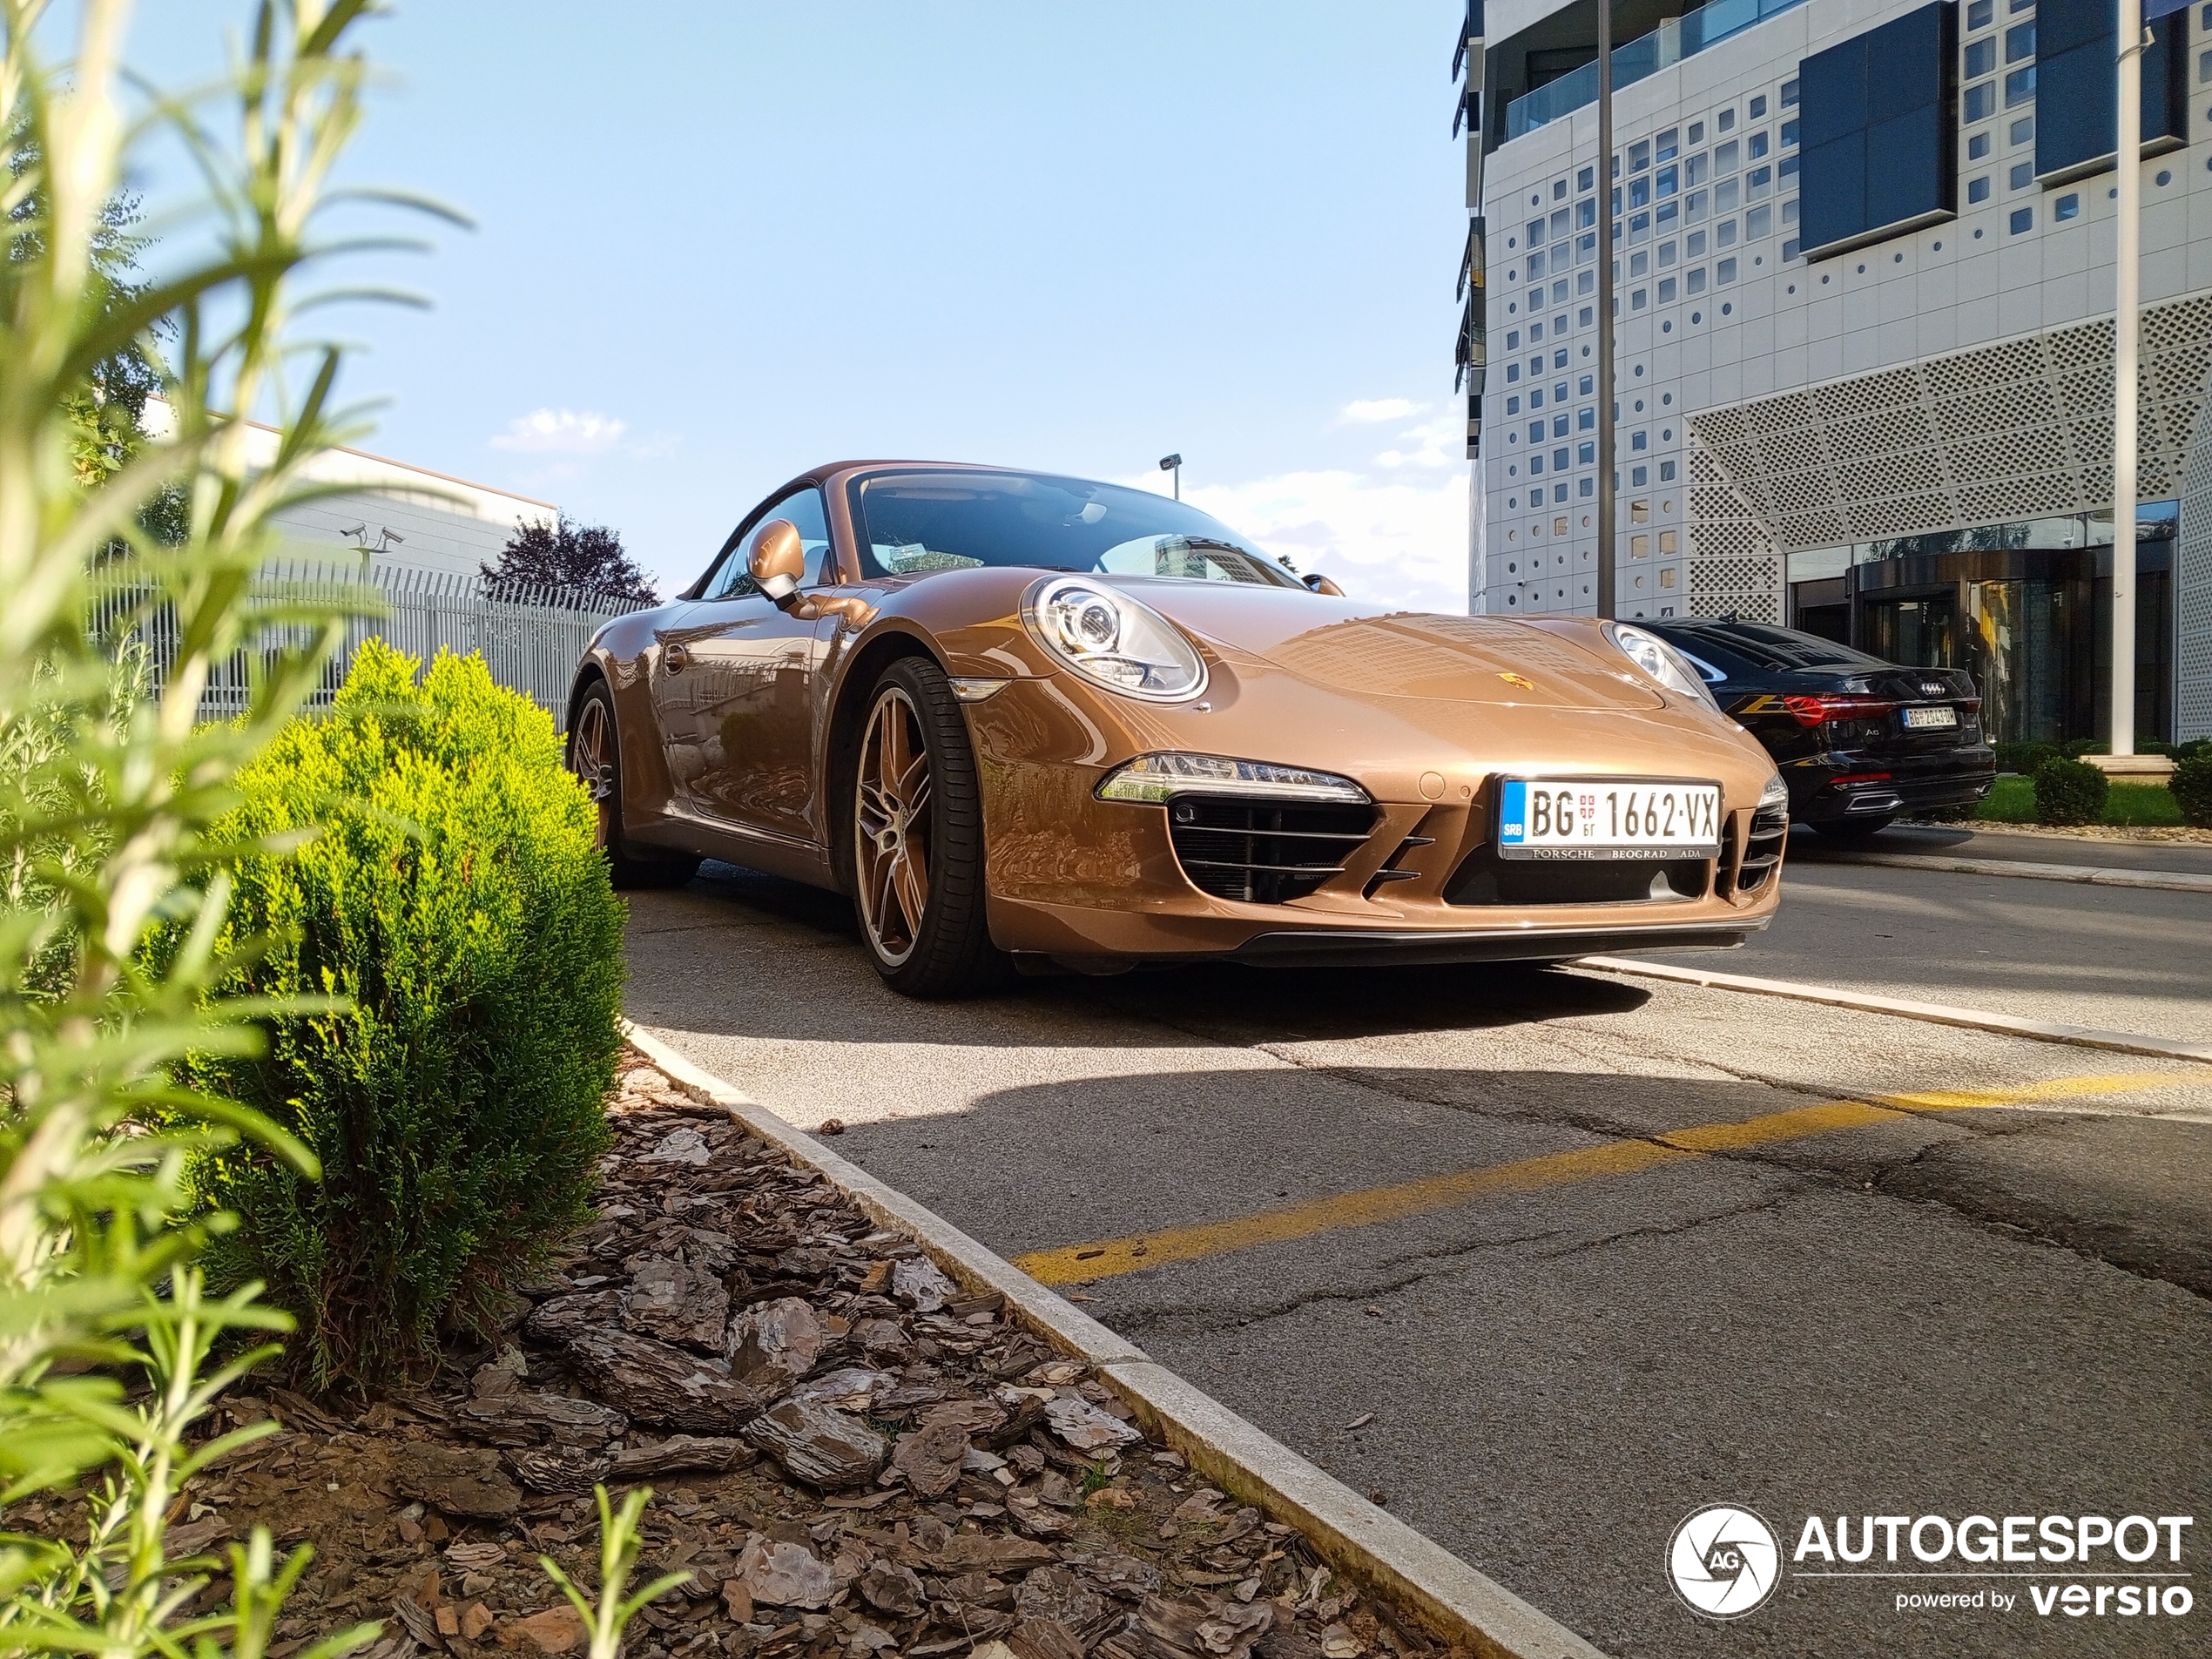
x: 716, y: 245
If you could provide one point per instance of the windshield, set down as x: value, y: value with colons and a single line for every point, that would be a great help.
x: 1765, y: 646
x: 911, y: 522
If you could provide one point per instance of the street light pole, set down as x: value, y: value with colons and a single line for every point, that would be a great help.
x: 2126, y: 370
x: 1606, y: 551
x: 1174, y: 464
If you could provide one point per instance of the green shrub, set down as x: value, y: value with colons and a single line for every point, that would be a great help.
x: 2070, y: 791
x: 2191, y: 787
x: 2075, y: 748
x: 455, y: 899
x: 2024, y: 758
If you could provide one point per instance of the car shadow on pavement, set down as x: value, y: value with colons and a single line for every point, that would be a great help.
x: 735, y: 954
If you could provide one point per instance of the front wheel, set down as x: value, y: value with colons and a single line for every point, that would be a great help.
x: 595, y: 756
x: 918, y: 839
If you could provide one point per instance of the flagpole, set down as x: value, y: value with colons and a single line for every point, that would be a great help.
x: 2125, y: 369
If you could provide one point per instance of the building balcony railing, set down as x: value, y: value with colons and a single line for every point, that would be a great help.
x: 1673, y: 40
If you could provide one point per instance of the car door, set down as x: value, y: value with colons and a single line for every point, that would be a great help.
x: 734, y: 690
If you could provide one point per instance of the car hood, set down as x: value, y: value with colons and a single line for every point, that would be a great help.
x: 1346, y: 646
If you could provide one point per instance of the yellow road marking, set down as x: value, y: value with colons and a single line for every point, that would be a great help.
x: 1108, y: 1258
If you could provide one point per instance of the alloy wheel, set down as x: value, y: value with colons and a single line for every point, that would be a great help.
x: 891, y: 825
x: 591, y: 759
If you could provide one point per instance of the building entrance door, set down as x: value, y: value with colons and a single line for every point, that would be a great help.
x: 1920, y: 633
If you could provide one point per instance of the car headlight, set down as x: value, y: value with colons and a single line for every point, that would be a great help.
x: 1777, y: 794
x: 1106, y: 635
x: 1661, y: 662
x: 1155, y: 778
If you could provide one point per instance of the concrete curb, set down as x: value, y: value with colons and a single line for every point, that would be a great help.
x: 2083, y: 1036
x: 2084, y: 874
x: 1365, y: 1543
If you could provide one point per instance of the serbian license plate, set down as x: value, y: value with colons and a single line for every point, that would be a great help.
x: 1608, y: 818
x: 1922, y: 719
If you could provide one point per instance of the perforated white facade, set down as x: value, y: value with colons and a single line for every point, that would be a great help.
x: 1956, y: 375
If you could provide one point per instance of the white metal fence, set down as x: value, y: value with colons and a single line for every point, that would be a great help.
x: 531, y: 638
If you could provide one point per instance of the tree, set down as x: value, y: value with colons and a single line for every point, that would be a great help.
x: 583, y: 558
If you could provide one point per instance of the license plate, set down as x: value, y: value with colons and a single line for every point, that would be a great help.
x: 1921, y: 719
x: 1608, y: 818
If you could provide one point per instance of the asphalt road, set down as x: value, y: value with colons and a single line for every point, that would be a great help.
x: 1585, y: 1254
x: 2017, y: 846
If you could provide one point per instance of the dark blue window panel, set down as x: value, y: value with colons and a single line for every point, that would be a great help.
x: 1981, y: 57
x: 1880, y: 131
x: 2078, y: 103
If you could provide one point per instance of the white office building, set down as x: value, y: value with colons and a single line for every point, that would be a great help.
x: 1864, y: 292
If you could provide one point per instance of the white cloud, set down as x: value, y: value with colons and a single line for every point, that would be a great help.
x: 1440, y: 442
x: 561, y: 432
x: 1369, y: 410
x: 1399, y: 541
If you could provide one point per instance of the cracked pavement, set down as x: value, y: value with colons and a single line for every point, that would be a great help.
x: 1936, y: 1308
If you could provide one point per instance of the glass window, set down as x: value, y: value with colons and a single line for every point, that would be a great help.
x: 1513, y: 340
x: 2068, y: 206
x: 1977, y: 189
x: 1724, y: 272
x: 1586, y: 454
x: 1559, y: 223
x: 1755, y: 146
x: 1640, y: 546
x: 1981, y: 102
x: 1586, y: 486
x: 1559, y: 188
x: 1585, y: 212
x: 1980, y: 13
x: 1559, y: 426
x: 1978, y: 146
x: 1512, y: 406
x: 2023, y: 175
x: 1666, y: 477
x: 1724, y: 158
x: 1666, y: 180
x: 1757, y: 183
x: 1725, y: 234
x: 730, y: 579
x: 2023, y: 218
x: 1640, y: 155
x: 1586, y: 248
x: 2019, y: 86
x: 1981, y: 57
x: 1513, y: 373
x: 1790, y: 214
x: 1587, y: 385
x: 1536, y: 269
x: 1640, y: 192
x: 1639, y: 475
x: 1694, y: 169
x: 2020, y: 131
x: 1639, y: 227
x: 1789, y: 247
x: 1694, y: 245
x: 1639, y: 441
x: 1637, y: 299
x: 1639, y: 263
x: 1585, y: 179
x: 1725, y: 121
x: 1535, y: 232
x: 1559, y: 459
x: 1666, y: 254
x: 1535, y: 398
x: 1789, y: 133
x: 1757, y: 223
x: 2019, y: 42
x: 1667, y: 144
x: 910, y: 522
x: 1665, y: 217
x: 1695, y: 282
x: 1696, y: 132
x: 1789, y: 169
x: 1535, y: 466
x: 1725, y: 194
x: 1666, y: 291
x: 1759, y: 106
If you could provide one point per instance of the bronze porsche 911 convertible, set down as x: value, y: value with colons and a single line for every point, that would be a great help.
x: 1029, y: 718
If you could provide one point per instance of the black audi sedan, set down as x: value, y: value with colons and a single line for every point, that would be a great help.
x: 1859, y: 741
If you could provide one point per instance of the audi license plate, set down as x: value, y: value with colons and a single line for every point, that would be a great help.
x: 1921, y: 719
x: 1608, y: 818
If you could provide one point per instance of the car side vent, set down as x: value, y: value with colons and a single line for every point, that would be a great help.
x: 1762, y: 851
x: 1390, y: 872
x: 1261, y: 852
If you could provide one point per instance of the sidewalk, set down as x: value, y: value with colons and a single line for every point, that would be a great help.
x: 1939, y: 847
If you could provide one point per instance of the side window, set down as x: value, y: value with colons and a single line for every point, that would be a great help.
x: 804, y: 508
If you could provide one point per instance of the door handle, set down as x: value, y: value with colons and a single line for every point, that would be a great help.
x: 675, y: 656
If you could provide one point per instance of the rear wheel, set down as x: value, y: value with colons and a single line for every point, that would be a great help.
x: 1855, y: 829
x: 595, y: 756
x: 918, y: 839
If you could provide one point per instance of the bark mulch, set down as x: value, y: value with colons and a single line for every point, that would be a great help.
x: 849, y: 1454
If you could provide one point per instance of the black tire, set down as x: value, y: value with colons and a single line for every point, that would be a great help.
x: 1854, y: 829
x: 595, y: 755
x: 947, y: 951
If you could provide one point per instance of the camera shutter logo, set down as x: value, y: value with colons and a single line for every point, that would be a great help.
x: 1724, y: 1561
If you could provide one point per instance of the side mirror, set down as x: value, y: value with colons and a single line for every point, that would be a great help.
x: 778, y: 561
x: 1320, y: 583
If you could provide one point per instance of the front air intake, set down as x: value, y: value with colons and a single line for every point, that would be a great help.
x: 1263, y: 851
